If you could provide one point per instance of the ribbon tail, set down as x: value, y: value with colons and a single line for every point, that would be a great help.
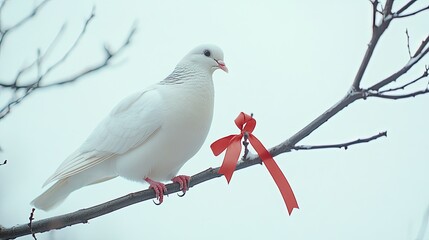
x: 276, y: 173
x: 282, y: 184
x: 231, y: 158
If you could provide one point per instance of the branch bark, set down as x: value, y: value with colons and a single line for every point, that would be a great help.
x: 377, y: 32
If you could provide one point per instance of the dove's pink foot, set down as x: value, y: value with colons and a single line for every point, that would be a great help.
x: 183, y: 181
x: 159, y: 189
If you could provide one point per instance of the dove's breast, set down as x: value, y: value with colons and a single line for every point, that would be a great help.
x: 187, y: 111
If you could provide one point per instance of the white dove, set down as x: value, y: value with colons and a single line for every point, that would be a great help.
x: 149, y: 135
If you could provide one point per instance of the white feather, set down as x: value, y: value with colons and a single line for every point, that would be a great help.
x: 129, y: 124
x: 151, y: 133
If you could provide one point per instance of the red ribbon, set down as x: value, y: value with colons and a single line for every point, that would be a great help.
x: 232, y: 144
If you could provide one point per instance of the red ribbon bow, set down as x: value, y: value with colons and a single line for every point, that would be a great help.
x: 232, y: 144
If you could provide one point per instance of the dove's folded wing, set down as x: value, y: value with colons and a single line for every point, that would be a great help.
x: 129, y: 125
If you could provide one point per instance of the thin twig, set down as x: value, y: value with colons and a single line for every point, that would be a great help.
x: 15, y: 83
x: 402, y: 87
x: 7, y: 31
x: 99, y: 66
x: 36, y: 84
x: 246, y: 143
x: 6, y: 109
x: 408, y: 43
x: 341, y: 145
x: 30, y: 224
x: 399, y: 96
x: 406, y: 6
x: 420, y: 53
x: 374, y: 14
x: 5, y: 161
x: 72, y: 48
x: 377, y: 32
x: 411, y: 14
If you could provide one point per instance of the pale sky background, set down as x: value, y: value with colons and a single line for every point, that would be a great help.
x: 289, y: 61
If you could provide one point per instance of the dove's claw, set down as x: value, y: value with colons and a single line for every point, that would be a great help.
x: 183, y: 182
x: 181, y: 195
x: 159, y: 189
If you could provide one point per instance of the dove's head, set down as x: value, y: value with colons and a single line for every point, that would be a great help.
x: 207, y: 56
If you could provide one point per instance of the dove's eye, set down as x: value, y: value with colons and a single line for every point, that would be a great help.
x: 207, y: 53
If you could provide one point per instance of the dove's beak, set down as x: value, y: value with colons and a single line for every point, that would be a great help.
x: 221, y: 65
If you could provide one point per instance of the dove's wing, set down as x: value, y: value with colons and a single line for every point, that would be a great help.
x: 129, y: 125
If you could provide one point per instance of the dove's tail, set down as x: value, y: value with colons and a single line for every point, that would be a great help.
x: 55, y: 195
x: 58, y: 192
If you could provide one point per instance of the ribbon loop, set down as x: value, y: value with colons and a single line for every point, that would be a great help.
x: 232, y: 144
x: 241, y: 119
x: 221, y: 144
x: 245, y: 122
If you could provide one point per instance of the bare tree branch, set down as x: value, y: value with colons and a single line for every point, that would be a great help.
x: 5, y: 32
x: 406, y: 6
x: 382, y: 94
x: 109, y: 56
x: 420, y: 53
x: 84, y: 215
x: 398, y: 96
x: 35, y: 84
x: 287, y: 145
x: 38, y: 60
x: 377, y: 31
x: 345, y: 145
x: 14, y: 101
x: 402, y: 87
x: 71, y: 49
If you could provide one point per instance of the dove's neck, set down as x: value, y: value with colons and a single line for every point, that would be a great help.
x: 192, y: 80
x: 193, y: 87
x: 191, y: 77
